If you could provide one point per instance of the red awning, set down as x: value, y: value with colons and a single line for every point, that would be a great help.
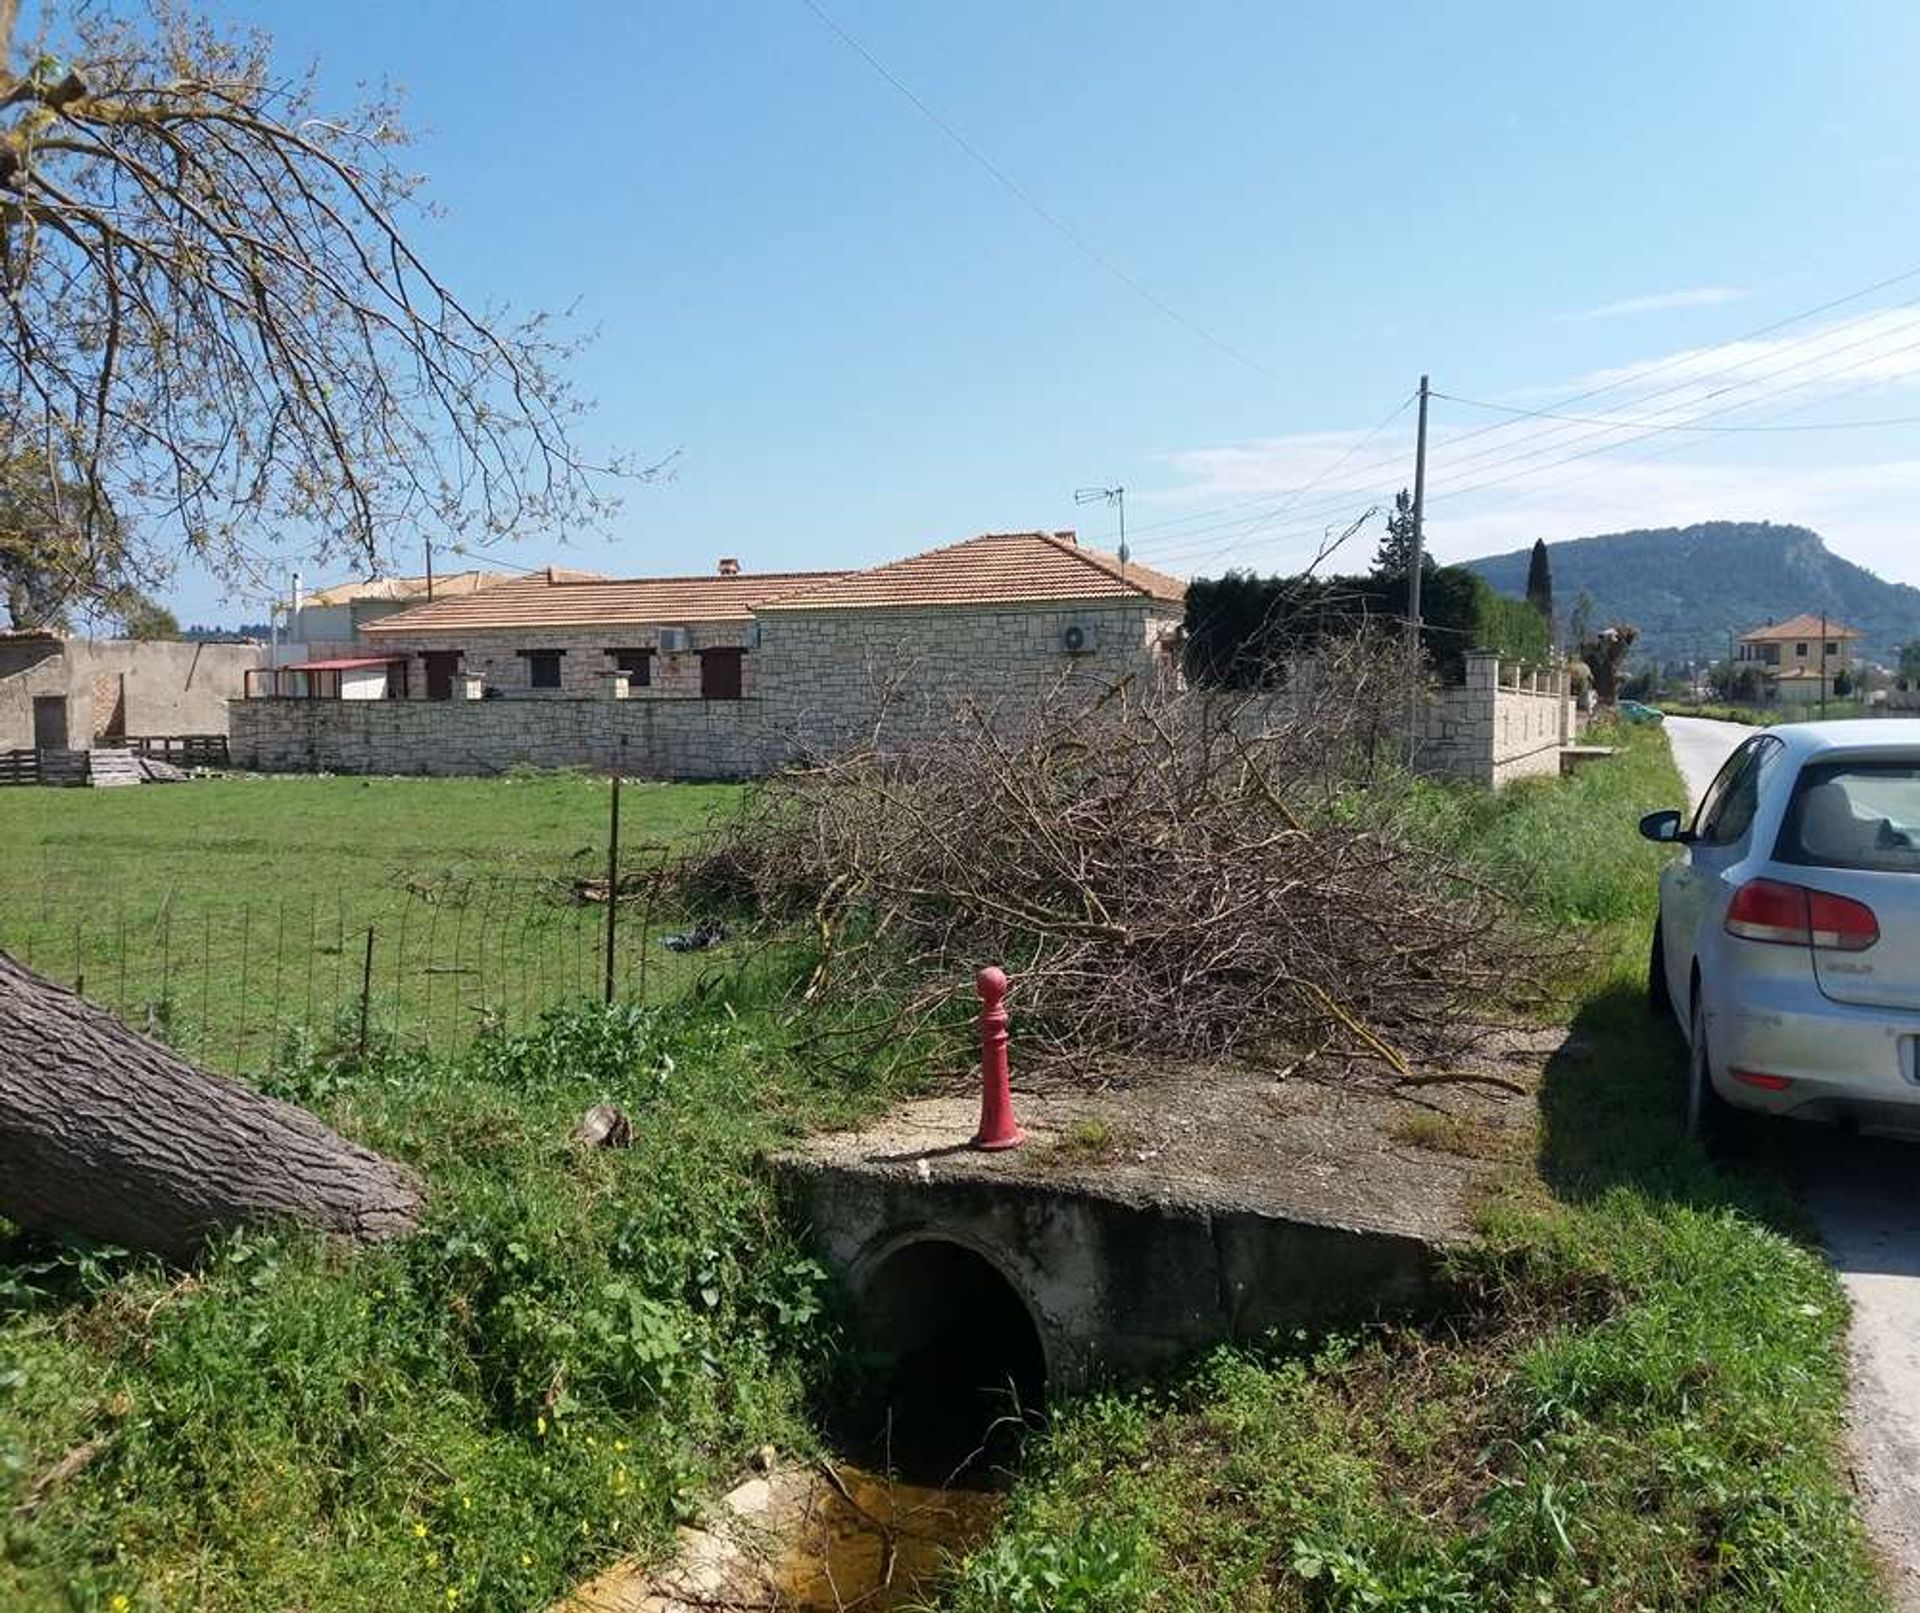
x: 350, y: 664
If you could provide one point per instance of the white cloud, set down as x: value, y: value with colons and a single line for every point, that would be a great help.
x: 1497, y: 482
x: 1659, y: 302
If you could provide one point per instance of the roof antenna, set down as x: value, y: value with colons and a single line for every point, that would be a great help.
x: 1108, y: 495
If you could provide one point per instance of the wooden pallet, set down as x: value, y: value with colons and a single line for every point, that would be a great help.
x: 108, y: 769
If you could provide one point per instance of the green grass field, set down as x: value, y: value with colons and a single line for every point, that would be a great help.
x: 228, y: 914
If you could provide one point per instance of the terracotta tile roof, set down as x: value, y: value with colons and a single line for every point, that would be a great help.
x: 560, y: 599
x: 996, y: 568
x: 445, y: 584
x: 1805, y: 625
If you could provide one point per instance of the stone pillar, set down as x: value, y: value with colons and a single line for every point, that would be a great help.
x: 1483, y: 704
x: 469, y: 686
x: 617, y: 685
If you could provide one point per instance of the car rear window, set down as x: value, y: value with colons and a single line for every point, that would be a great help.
x: 1855, y: 815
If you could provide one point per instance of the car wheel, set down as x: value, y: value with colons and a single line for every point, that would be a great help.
x: 1659, y: 995
x: 1710, y: 1118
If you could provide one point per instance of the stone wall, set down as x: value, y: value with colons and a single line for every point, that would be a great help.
x: 155, y: 687
x: 666, y: 739
x: 496, y: 656
x: 1503, y: 723
x: 834, y: 677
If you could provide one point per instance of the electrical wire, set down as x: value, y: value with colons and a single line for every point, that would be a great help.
x: 1046, y: 215
x: 1630, y: 425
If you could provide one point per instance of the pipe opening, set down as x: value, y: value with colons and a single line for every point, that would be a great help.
x: 956, y: 1365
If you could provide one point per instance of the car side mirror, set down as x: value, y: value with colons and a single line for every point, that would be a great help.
x: 1662, y: 827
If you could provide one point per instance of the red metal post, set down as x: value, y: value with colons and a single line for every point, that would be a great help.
x: 997, y: 1126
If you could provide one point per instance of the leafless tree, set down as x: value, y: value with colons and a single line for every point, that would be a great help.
x: 217, y: 329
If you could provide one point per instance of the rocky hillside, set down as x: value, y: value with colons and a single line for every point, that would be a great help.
x: 1686, y: 588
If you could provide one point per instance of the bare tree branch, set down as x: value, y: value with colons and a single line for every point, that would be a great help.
x: 218, y: 330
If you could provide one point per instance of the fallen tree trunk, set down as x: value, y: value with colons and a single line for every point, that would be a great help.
x: 111, y: 1134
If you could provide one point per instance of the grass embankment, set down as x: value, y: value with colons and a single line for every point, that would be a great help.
x: 226, y: 913
x: 1638, y: 1405
x: 1769, y: 716
x: 574, y: 1352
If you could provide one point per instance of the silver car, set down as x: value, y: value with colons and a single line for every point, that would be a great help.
x: 1788, y: 941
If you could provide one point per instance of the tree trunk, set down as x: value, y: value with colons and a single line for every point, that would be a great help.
x: 106, y: 1132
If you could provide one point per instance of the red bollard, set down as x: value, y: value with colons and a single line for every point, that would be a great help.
x: 997, y: 1126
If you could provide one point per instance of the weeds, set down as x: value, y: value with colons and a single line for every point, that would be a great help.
x: 574, y: 1351
x: 1639, y: 1404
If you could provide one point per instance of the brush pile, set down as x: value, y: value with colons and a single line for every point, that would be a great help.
x: 1176, y: 876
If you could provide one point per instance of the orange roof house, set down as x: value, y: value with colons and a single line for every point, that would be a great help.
x: 997, y: 568
x: 1801, y: 657
x: 556, y: 632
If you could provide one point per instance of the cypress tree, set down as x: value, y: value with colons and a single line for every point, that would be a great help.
x: 1540, y: 580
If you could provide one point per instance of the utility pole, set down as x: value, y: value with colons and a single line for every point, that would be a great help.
x: 1413, y: 578
x: 1823, y: 666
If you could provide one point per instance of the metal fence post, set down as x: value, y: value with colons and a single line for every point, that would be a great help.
x: 366, y: 993
x: 613, y: 885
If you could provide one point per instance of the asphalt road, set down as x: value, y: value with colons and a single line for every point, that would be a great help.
x: 1863, y: 1197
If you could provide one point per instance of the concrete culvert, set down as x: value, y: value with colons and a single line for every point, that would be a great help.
x: 958, y: 1367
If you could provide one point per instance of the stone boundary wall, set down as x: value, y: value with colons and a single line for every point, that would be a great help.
x: 663, y: 739
x: 1501, y: 724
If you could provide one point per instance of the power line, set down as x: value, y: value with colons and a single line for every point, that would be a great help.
x: 1027, y: 200
x: 1658, y: 430
x: 1501, y: 452
x: 1631, y: 425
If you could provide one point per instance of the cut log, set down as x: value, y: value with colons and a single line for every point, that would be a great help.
x: 106, y: 1132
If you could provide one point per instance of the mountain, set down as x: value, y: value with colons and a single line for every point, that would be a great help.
x: 1686, y: 588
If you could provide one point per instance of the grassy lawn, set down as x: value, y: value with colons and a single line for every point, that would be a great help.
x: 227, y: 913
x: 1637, y: 1404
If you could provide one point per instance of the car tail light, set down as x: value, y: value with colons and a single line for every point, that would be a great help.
x: 1791, y: 915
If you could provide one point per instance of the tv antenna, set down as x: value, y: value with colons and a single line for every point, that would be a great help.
x: 1116, y: 496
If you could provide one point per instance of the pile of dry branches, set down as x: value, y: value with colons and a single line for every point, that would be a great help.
x: 1172, y: 876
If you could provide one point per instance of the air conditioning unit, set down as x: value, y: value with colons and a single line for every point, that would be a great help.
x: 675, y: 640
x: 1078, y: 638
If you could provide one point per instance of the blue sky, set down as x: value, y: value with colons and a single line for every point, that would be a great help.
x: 862, y: 344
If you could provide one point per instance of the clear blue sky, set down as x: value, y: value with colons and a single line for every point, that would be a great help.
x: 864, y: 345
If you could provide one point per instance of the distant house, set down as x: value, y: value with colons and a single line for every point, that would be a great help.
x: 1801, y: 657
x: 324, y: 625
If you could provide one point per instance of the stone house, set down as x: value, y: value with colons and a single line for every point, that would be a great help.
x: 559, y: 634
x: 726, y: 675
x: 1005, y: 620
x: 1801, y: 657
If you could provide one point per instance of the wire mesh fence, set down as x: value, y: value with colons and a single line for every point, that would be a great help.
x: 237, y: 982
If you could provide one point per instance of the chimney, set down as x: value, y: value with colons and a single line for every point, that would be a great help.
x: 299, y: 594
x: 729, y: 567
x: 1069, y: 536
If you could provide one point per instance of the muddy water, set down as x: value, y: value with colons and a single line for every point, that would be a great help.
x: 879, y: 1542
x: 806, y: 1539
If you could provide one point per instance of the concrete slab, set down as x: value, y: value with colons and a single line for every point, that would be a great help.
x: 1145, y: 1222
